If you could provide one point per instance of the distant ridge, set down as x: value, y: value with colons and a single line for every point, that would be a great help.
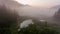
x: 11, y: 3
x: 56, y: 7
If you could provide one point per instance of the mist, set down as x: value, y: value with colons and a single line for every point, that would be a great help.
x: 16, y: 18
x: 36, y: 12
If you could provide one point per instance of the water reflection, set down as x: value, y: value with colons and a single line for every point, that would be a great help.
x: 26, y: 23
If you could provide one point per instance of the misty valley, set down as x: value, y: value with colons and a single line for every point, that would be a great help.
x: 29, y: 17
x: 49, y: 15
x: 39, y: 13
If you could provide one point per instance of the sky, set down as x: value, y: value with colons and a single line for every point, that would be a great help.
x: 40, y: 3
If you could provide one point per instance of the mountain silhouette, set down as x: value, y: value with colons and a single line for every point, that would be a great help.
x: 10, y: 3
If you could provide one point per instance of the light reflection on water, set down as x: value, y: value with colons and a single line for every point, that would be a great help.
x: 26, y: 23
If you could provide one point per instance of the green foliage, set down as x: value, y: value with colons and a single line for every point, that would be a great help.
x: 32, y: 29
x: 29, y: 30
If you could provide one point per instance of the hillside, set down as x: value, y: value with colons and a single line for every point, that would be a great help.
x: 10, y: 3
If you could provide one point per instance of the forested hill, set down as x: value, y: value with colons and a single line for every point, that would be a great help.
x: 10, y: 3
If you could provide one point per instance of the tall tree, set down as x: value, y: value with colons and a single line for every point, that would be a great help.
x: 8, y: 20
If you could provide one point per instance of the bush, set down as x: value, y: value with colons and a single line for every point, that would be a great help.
x: 32, y: 29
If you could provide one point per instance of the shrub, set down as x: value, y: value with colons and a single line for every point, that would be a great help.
x: 32, y: 29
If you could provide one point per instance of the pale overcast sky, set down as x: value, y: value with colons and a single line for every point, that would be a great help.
x: 40, y: 2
